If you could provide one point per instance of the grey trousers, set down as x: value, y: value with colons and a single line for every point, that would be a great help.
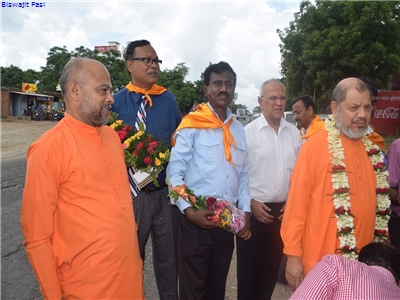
x: 154, y: 215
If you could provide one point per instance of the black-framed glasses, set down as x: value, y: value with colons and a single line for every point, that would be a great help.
x: 147, y: 60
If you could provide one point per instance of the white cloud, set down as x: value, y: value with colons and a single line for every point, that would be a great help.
x: 241, y: 33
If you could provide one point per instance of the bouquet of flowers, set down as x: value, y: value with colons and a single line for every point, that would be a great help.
x: 142, y: 151
x: 227, y: 215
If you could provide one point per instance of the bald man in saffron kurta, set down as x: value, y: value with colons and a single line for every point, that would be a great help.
x: 309, y: 227
x: 77, y: 215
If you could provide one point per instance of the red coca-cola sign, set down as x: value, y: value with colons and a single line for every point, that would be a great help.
x: 387, y: 115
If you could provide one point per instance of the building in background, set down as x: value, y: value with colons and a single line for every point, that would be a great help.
x: 111, y: 46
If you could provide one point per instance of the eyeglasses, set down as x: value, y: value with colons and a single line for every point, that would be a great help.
x: 147, y: 60
x: 274, y: 98
x: 218, y: 84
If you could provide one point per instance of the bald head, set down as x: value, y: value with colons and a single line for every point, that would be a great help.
x: 86, y: 88
x: 340, y: 92
x: 76, y: 71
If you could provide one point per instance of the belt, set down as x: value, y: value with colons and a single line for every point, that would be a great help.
x: 151, y: 190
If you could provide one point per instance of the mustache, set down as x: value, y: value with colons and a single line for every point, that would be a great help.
x: 358, y: 120
x: 153, y: 72
x: 106, y: 106
x: 223, y: 93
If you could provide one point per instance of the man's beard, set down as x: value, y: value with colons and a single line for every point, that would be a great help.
x: 350, y: 133
x: 91, y: 112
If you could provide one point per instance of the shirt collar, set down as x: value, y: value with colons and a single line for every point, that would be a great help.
x: 228, y: 113
x: 80, y: 126
x: 262, y: 122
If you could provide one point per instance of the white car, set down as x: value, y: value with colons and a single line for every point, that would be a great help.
x: 288, y: 116
x: 241, y: 114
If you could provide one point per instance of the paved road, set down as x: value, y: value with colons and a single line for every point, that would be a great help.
x: 17, y: 278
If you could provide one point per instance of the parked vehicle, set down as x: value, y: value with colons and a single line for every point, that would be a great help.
x: 57, y: 116
x: 254, y: 116
x: 288, y: 116
x: 241, y: 114
x: 28, y: 113
x: 36, y: 115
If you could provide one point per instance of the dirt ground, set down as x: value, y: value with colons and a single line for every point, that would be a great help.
x: 18, y: 135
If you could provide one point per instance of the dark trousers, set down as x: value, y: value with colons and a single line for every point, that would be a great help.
x: 154, y: 215
x: 204, y: 257
x: 394, y: 230
x: 259, y: 258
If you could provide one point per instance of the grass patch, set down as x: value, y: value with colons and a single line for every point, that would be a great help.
x: 389, y: 139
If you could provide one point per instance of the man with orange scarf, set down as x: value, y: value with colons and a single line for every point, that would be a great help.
x: 209, y: 157
x: 142, y: 100
x: 303, y: 109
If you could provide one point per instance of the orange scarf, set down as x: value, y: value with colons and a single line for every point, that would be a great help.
x: 376, y: 139
x: 316, y: 125
x: 204, y: 117
x: 155, y: 90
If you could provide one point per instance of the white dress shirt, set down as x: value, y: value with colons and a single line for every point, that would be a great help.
x: 270, y: 159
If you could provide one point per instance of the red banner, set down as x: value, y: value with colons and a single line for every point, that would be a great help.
x: 387, y: 115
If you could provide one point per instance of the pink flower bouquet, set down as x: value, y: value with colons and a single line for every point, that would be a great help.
x: 231, y: 218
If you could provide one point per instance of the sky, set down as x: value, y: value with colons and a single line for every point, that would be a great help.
x: 244, y: 34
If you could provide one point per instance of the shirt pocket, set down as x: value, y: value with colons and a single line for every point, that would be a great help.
x: 207, y: 148
x: 291, y: 155
x: 238, y: 154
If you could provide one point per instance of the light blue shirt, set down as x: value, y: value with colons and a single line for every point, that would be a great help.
x: 198, y: 160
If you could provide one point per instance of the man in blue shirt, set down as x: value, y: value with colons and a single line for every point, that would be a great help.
x: 151, y: 206
x: 209, y: 157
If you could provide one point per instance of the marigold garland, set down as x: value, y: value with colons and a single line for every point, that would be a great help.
x: 341, y: 191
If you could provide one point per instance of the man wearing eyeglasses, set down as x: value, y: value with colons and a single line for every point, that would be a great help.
x: 142, y: 99
x: 272, y: 148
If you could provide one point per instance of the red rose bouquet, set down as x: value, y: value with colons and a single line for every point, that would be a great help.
x: 142, y: 151
x: 227, y: 214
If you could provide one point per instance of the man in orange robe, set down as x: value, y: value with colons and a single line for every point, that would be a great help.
x: 307, y: 121
x: 77, y: 212
x: 309, y: 226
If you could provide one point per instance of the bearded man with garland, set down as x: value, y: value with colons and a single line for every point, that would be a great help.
x: 334, y: 179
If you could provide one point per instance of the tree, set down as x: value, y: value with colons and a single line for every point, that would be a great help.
x: 183, y: 90
x: 235, y: 107
x: 55, y: 62
x: 12, y: 76
x: 199, y: 95
x: 84, y: 52
x: 32, y: 76
x: 332, y: 40
x: 257, y: 109
x: 116, y: 67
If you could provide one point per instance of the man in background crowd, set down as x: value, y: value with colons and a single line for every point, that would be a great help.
x: 308, y: 122
x: 272, y: 147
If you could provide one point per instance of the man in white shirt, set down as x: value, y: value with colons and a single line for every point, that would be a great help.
x: 272, y: 148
